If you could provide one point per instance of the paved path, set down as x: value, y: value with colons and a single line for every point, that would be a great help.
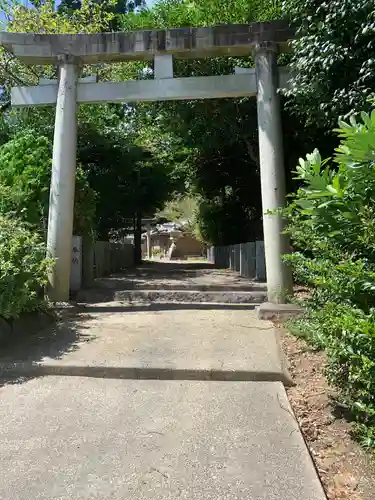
x: 176, y: 282
x: 179, y: 275
x: 168, y: 401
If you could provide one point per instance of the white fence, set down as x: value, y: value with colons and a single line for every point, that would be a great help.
x: 246, y: 258
x: 111, y: 258
x: 97, y: 259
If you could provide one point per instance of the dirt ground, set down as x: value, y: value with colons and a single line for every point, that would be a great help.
x: 346, y: 470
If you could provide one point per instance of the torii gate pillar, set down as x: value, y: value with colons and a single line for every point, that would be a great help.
x: 61, y: 203
x: 272, y: 172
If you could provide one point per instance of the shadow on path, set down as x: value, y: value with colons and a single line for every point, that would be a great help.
x: 33, y: 370
x: 53, y: 342
x: 36, y: 355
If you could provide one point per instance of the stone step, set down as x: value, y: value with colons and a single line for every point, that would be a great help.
x: 166, y: 296
x: 196, y: 295
x: 229, y: 297
x: 115, y: 284
x: 238, y: 297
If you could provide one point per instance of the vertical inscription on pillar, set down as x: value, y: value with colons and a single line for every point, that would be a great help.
x: 76, y: 271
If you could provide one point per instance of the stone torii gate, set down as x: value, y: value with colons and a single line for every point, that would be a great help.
x: 70, y: 52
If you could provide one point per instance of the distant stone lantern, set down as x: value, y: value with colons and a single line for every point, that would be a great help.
x: 175, y: 234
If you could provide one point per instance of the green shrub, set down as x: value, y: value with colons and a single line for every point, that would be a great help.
x: 331, y: 220
x: 348, y: 336
x: 23, y: 268
x: 25, y: 175
x: 25, y: 166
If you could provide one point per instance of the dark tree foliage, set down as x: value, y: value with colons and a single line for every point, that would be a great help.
x: 127, y: 178
x: 333, y: 59
x: 219, y: 137
x: 69, y: 6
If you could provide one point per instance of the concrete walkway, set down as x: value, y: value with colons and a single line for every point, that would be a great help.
x: 159, y: 401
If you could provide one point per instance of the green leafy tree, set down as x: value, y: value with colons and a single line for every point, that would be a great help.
x: 182, y: 13
x: 127, y: 178
x: 333, y: 62
x: 336, y: 200
x: 25, y: 173
x: 122, y: 172
x: 215, y: 142
x: 115, y: 7
x: 92, y: 17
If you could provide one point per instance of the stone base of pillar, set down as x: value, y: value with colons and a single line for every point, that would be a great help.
x: 278, y: 312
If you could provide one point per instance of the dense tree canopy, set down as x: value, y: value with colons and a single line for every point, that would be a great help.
x: 124, y: 174
x: 217, y: 139
x: 127, y: 178
x: 333, y: 58
x: 142, y: 154
x: 115, y: 7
